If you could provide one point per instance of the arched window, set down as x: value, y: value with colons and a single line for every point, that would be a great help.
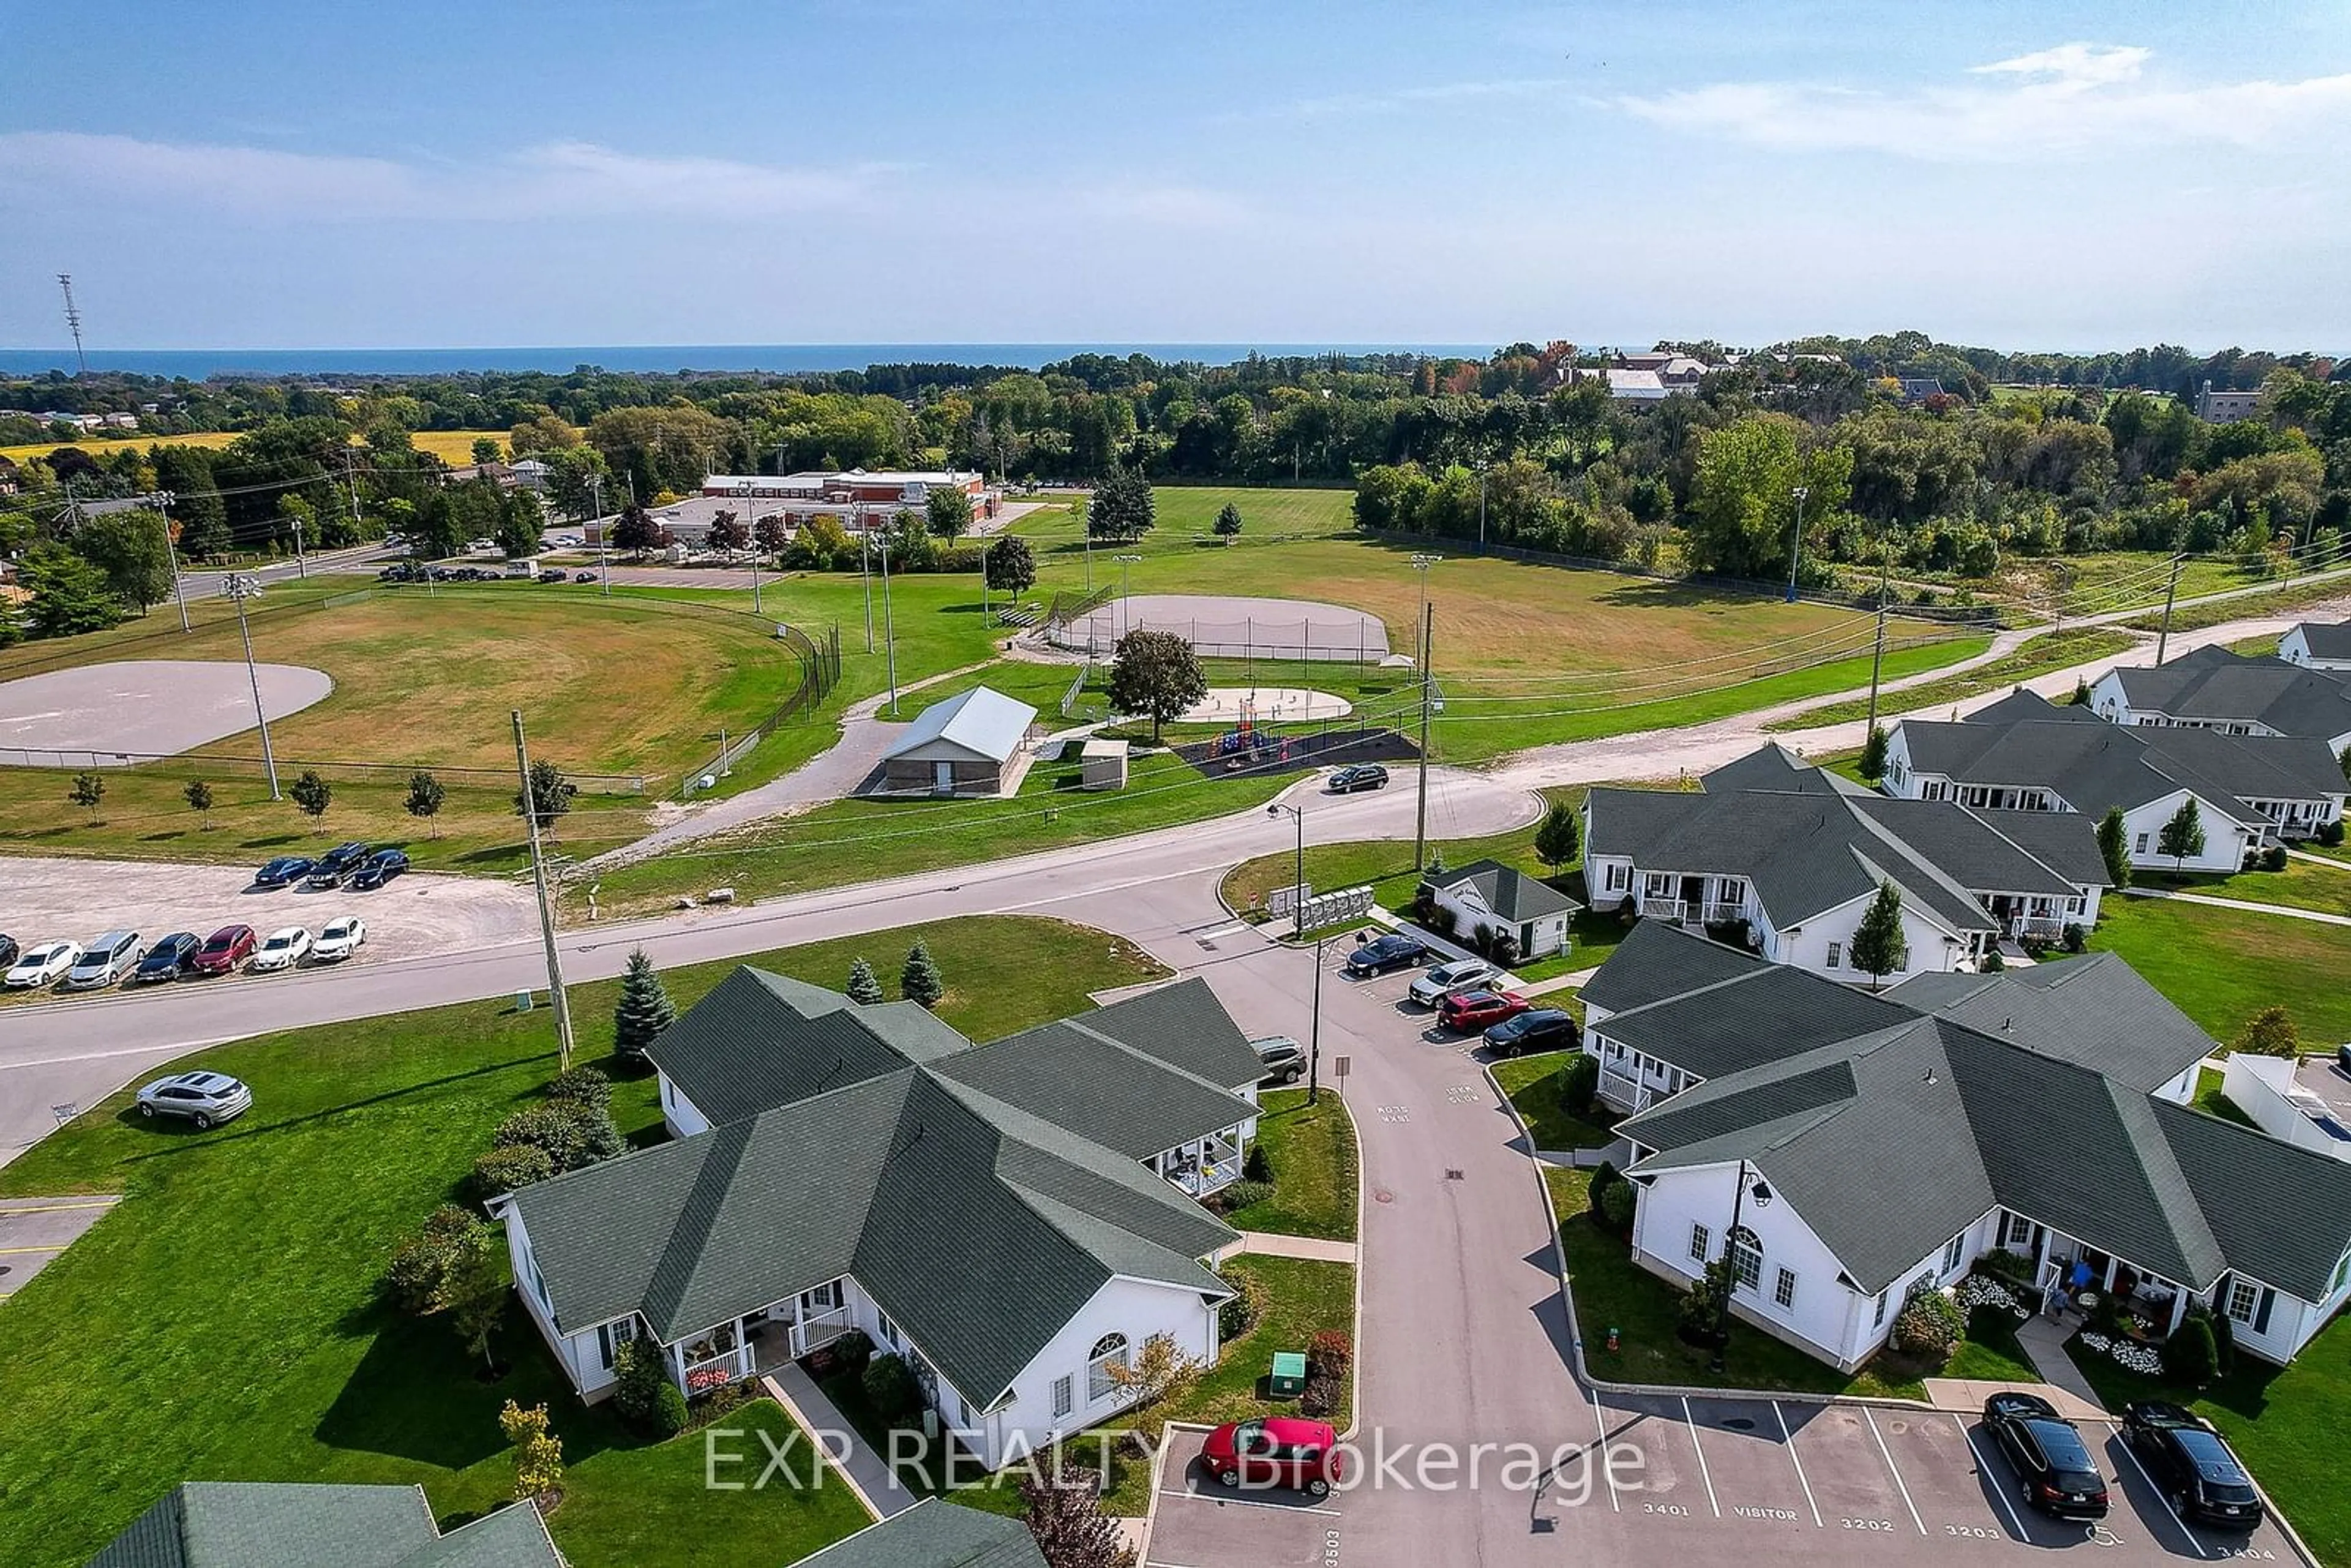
x: 1109, y: 1351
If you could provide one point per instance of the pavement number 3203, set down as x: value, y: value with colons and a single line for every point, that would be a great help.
x: 1972, y: 1531
x: 1886, y: 1524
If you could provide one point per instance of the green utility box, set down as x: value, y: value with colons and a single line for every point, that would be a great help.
x: 1288, y: 1379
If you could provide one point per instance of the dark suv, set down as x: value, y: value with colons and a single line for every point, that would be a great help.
x: 2055, y: 1471
x: 336, y: 864
x: 2192, y: 1466
x: 1386, y: 951
x: 1362, y: 776
x: 1536, y: 1029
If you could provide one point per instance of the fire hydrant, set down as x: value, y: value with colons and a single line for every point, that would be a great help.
x: 1611, y: 1336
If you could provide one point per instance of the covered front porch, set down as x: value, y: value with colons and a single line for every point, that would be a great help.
x: 1693, y: 899
x: 1206, y: 1163
x: 1632, y: 1081
x: 2087, y: 1279
x: 761, y: 1341
x: 2029, y: 916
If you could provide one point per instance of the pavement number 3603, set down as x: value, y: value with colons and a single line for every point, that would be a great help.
x: 1886, y: 1524
x: 1330, y: 1549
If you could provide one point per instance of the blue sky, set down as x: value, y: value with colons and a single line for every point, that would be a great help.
x: 2044, y: 175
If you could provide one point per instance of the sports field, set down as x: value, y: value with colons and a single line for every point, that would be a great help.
x: 453, y: 446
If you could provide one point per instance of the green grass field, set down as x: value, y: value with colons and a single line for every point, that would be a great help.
x: 2302, y: 884
x: 2220, y: 968
x: 1311, y: 1150
x: 1532, y: 1084
x: 222, y: 1322
x: 453, y: 446
x: 2038, y: 657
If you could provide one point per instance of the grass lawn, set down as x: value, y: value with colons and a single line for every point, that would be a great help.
x: 1532, y: 1084
x: 2285, y: 1423
x: 1385, y: 863
x: 2038, y: 657
x: 257, y: 1246
x: 455, y: 446
x: 2213, y: 1100
x: 2302, y: 884
x: 2220, y: 968
x: 1991, y: 1352
x: 2196, y: 617
x: 1612, y: 1291
x: 1313, y: 1152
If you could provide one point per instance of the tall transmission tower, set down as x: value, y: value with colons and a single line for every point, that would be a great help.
x: 73, y: 320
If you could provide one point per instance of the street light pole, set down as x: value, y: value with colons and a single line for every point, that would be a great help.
x: 555, y: 993
x: 754, y: 546
x: 1730, y: 1264
x: 889, y: 630
x: 1314, y: 1034
x: 1298, y: 883
x: 865, y: 576
x: 239, y: 588
x: 603, y: 532
x: 302, y: 565
x: 1877, y: 651
x: 1125, y: 615
x: 1796, y: 545
x: 1482, y: 508
x: 2171, y: 592
x: 1421, y: 563
x: 172, y: 552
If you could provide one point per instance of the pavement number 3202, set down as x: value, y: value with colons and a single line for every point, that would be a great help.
x: 1873, y: 1524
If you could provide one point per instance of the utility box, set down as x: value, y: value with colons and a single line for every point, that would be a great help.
x: 1288, y: 1380
x: 1102, y: 764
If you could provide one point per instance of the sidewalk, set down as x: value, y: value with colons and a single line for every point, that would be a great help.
x: 1266, y: 1244
x: 2044, y: 1343
x: 867, y: 1473
x: 2242, y: 905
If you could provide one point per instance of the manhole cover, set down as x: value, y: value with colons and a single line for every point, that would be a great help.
x: 1739, y: 1423
x: 1453, y: 1173
x: 1382, y: 1195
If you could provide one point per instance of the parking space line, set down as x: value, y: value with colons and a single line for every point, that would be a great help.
x: 1221, y: 1500
x: 58, y: 1247
x: 1789, y: 1441
x: 2162, y: 1502
x: 1598, y: 1455
x: 1893, y: 1469
x: 1705, y: 1475
x: 1999, y: 1491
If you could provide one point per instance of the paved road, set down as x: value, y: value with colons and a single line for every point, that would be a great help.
x: 206, y: 582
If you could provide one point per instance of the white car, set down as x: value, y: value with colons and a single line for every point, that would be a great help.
x: 40, y: 966
x: 281, y: 950
x: 1461, y: 975
x: 338, y: 940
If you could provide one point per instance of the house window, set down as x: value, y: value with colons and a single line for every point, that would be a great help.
x: 2077, y: 904
x: 2244, y: 1299
x: 1878, y: 1318
x: 1746, y: 1259
x: 1701, y: 1242
x: 610, y: 1337
x: 889, y: 1329
x: 1620, y: 877
x: 1783, y: 1288
x: 825, y: 1297
x: 1954, y: 1251
x: 1109, y: 1351
x: 2015, y: 1230
x: 538, y: 1283
x: 2342, y: 1276
x: 1837, y: 955
x: 1064, y: 1398
x: 2140, y: 846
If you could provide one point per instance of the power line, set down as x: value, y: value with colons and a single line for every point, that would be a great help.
x: 73, y: 322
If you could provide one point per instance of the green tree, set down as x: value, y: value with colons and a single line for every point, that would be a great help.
x: 68, y: 596
x: 1559, y: 837
x: 550, y: 795
x: 1744, y: 506
x: 726, y: 532
x: 487, y: 450
x: 312, y: 793
x: 2113, y: 847
x: 2269, y: 1032
x: 1873, y: 754
x: 1064, y: 1514
x: 1228, y: 523
x: 477, y: 1284
x: 430, y: 1272
x: 134, y: 549
x: 436, y: 531
x: 424, y: 797
x: 947, y: 511
x: 2183, y: 834
x: 1155, y: 674
x: 645, y: 1008
x: 1008, y: 564
x: 770, y: 534
x: 2081, y: 692
x: 538, y: 1453
x: 1879, y: 948
x: 920, y: 980
x: 864, y: 987
x: 199, y: 797
x: 297, y: 521
x: 89, y: 790
x: 575, y: 479
x: 541, y: 436
x: 1121, y: 506
x: 635, y: 531
x: 520, y: 524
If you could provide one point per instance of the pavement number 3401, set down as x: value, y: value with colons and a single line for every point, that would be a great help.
x: 1865, y: 1524
x: 1672, y: 1509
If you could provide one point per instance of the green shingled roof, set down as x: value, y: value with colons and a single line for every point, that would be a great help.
x: 252, y: 1524
x: 935, y: 1534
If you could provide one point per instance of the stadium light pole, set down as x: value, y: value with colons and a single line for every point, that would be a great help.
x: 1125, y: 615
x: 238, y: 588
x: 1796, y: 543
x: 1421, y: 563
x: 865, y: 577
x: 555, y: 993
x: 164, y: 499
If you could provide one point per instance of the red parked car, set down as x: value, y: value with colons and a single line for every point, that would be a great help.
x: 1279, y: 1451
x: 224, y: 950
x: 1469, y: 1012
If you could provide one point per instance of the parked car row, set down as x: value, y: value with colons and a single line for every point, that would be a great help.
x: 118, y: 958
x: 356, y: 866
x: 1464, y: 994
x: 416, y: 571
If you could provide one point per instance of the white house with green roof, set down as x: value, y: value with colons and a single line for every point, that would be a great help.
x: 1488, y: 895
x: 1014, y: 1218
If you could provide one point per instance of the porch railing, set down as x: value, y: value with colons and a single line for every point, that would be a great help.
x: 1724, y: 913
x: 1625, y: 1090
x: 820, y: 1329
x: 1673, y: 909
x: 710, y: 1372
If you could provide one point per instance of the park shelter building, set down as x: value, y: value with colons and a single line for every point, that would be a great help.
x: 968, y: 744
x: 860, y: 499
x: 241, y: 1525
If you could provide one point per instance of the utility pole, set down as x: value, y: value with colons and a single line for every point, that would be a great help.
x: 603, y: 532
x: 163, y: 501
x: 2170, y: 593
x: 1796, y: 545
x: 351, y: 489
x: 1482, y: 508
x: 555, y: 996
x: 73, y: 322
x: 889, y: 630
x: 1314, y: 1034
x: 239, y: 588
x: 1877, y: 651
x: 1420, y: 819
x: 753, y: 526
x: 1298, y: 885
x: 301, y: 567
x: 1125, y: 614
x: 865, y: 574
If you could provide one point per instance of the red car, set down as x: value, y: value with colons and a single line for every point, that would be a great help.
x: 1279, y: 1451
x: 224, y: 950
x: 1469, y: 1013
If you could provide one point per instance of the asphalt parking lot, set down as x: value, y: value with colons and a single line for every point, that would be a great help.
x: 1196, y: 1524
x: 33, y: 1230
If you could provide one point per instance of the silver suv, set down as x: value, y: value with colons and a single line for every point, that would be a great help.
x: 104, y: 960
x: 203, y: 1098
x: 1280, y: 1060
x: 1461, y: 975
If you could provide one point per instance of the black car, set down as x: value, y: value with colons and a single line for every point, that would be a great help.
x: 2343, y: 1060
x: 2192, y: 1466
x: 8, y: 950
x: 379, y: 868
x: 583, y: 577
x: 1386, y: 951
x: 1362, y: 776
x: 554, y: 574
x: 284, y: 871
x: 1536, y: 1029
x: 2055, y: 1471
x: 338, y: 863
x: 168, y: 959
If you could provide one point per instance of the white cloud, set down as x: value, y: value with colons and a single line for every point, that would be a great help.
x: 564, y: 179
x: 2076, y: 99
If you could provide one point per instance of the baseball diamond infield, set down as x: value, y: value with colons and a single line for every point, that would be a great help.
x: 113, y: 714
x: 1221, y: 626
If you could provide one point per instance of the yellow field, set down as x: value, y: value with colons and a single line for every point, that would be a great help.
x: 455, y: 446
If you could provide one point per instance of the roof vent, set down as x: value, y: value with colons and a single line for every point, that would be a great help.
x: 2007, y: 1025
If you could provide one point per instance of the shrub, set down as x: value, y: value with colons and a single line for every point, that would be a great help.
x: 2075, y: 938
x: 1241, y: 1194
x: 1442, y: 917
x: 1617, y: 1204
x: 2224, y: 1342
x: 890, y: 1387
x: 670, y: 1414
x: 1701, y: 1304
x: 2273, y: 858
x: 1993, y: 963
x: 638, y: 1378
x: 573, y: 1135
x: 2013, y: 1267
x: 1929, y: 1327
x: 853, y: 1351
x: 1241, y: 1310
x: 2269, y: 1032
x: 1331, y: 1351
x: 1322, y: 1397
x: 2192, y: 1356
x: 2330, y: 833
x: 583, y: 1085
x: 1579, y: 1081
x: 431, y: 1271
x: 1258, y: 1165
x: 510, y: 1170
x: 1603, y: 1176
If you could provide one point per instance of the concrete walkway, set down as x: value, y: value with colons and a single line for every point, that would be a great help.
x: 2242, y: 906
x: 2043, y: 1344
x: 1266, y: 1244
x: 867, y: 1473
x: 2328, y: 861
x: 1968, y: 1393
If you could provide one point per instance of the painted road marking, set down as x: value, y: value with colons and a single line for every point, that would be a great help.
x: 1706, y: 1475
x: 1465, y: 1093
x: 1791, y: 1444
x: 2164, y: 1501
x: 56, y: 1208
x: 1395, y: 1113
x: 1598, y: 1455
x: 1999, y: 1491
x: 1224, y: 1500
x: 1893, y: 1469
x: 60, y: 1247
